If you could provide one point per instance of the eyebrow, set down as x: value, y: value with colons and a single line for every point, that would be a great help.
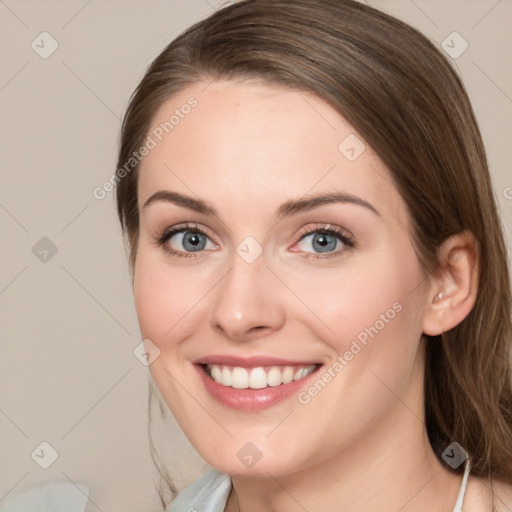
x: 290, y: 207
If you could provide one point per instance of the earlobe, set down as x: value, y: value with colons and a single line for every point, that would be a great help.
x: 453, y: 291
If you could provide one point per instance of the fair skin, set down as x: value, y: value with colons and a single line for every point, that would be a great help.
x: 361, y: 442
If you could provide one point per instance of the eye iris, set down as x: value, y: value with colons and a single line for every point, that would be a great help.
x: 326, y: 242
x: 193, y: 241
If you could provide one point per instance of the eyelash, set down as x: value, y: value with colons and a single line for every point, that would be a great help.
x: 326, y: 230
x: 320, y: 229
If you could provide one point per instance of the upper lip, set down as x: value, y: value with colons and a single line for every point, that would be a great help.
x: 251, y: 362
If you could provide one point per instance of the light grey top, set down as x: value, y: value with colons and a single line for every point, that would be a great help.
x: 50, y: 497
x: 210, y: 492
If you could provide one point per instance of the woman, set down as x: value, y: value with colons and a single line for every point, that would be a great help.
x: 318, y: 264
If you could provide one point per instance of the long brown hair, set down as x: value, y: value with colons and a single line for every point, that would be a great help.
x: 405, y: 100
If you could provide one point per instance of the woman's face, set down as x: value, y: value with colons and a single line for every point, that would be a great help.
x: 291, y: 248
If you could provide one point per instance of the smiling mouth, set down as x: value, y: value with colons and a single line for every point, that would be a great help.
x: 258, y: 377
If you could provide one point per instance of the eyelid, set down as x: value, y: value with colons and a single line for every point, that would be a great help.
x: 186, y: 226
x: 318, y: 226
x: 344, y: 236
x: 163, y: 237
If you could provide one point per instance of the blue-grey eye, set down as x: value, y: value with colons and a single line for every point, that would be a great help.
x: 191, y: 241
x: 321, y: 242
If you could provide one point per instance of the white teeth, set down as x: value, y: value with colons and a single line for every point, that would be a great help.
x: 307, y: 371
x: 303, y: 372
x: 239, y: 378
x: 216, y: 374
x: 288, y: 375
x: 274, y: 377
x: 257, y: 378
x: 226, y: 377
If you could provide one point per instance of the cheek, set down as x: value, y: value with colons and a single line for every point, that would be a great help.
x: 167, y: 300
x: 370, y: 296
x: 374, y: 317
x: 151, y: 299
x: 373, y: 312
x: 388, y: 330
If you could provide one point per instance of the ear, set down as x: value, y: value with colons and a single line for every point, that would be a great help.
x: 452, y: 292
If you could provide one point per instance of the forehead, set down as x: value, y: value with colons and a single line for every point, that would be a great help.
x: 251, y: 145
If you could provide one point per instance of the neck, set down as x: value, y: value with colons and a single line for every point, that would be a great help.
x: 390, y: 467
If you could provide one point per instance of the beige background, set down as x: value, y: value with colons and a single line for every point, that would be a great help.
x: 68, y: 373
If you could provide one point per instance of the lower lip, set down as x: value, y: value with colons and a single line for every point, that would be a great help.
x: 252, y: 399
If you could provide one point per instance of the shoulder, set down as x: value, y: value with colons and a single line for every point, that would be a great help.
x: 209, y: 493
x: 479, y: 496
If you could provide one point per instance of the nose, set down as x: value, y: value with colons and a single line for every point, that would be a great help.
x: 247, y: 302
